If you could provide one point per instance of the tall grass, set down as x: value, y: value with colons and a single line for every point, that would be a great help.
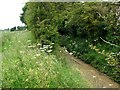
x: 28, y: 67
x: 0, y: 58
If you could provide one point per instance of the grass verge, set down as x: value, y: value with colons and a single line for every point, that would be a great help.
x: 28, y: 67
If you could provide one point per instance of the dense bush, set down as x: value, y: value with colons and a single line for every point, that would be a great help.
x: 77, y: 26
x: 103, y: 57
x: 84, y: 20
x: 88, y: 21
x: 86, y: 26
x: 37, y: 17
x: 13, y: 29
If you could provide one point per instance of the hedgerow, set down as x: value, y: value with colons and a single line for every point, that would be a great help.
x: 77, y: 26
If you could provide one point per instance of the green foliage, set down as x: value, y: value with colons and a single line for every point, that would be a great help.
x: 89, y: 21
x: 103, y: 57
x: 84, y: 20
x: 28, y: 67
x: 21, y: 28
x: 38, y: 18
x: 76, y: 26
x: 13, y: 29
x: 86, y: 25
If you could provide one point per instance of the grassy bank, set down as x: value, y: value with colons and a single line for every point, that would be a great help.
x: 24, y: 65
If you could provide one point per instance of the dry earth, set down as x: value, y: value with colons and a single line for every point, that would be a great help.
x: 94, y: 77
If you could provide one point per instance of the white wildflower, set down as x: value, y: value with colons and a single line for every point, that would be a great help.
x: 33, y: 57
x: 52, y: 43
x: 33, y: 46
x: 94, y: 76
x: 70, y: 53
x: 30, y: 46
x: 39, y: 44
x: 110, y: 84
x: 112, y: 53
x: 104, y: 87
x: 99, y: 52
x: 49, y: 51
x: 51, y: 47
x: 118, y: 53
x: 45, y: 46
x: 37, y: 62
x: 26, y: 79
x: 28, y: 41
x: 94, y: 47
x: 91, y: 46
x: 74, y: 51
x: 66, y: 50
x: 21, y: 52
x: 110, y: 56
x: 43, y: 50
x: 37, y: 55
x: 108, y: 62
x: 103, y: 52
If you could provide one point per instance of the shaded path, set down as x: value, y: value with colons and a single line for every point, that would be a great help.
x: 95, y: 78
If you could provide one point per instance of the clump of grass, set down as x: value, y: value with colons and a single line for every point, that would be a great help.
x: 25, y: 67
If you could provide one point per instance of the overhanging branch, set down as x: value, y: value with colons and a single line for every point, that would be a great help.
x: 109, y: 42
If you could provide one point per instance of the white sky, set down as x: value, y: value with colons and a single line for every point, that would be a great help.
x: 9, y: 13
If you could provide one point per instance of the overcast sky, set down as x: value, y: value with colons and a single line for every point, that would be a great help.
x: 9, y: 13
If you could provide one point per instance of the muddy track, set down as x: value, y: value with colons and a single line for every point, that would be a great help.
x: 94, y: 77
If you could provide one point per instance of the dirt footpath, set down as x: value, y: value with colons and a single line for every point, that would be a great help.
x: 95, y: 78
